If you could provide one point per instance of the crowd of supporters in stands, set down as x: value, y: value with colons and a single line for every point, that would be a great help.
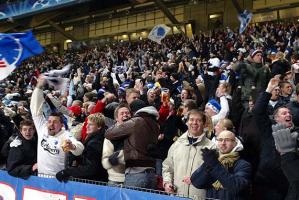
x: 212, y: 116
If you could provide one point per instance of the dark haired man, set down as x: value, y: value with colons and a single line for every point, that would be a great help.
x: 21, y: 160
x: 53, y: 140
x: 270, y: 182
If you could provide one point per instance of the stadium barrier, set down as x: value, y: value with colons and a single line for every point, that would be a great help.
x: 40, y: 188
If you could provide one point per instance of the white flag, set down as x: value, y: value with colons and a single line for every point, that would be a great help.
x: 158, y: 33
x: 58, y: 83
x: 59, y: 72
x: 55, y: 80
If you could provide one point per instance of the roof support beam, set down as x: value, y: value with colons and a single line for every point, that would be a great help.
x: 168, y: 14
x: 61, y: 30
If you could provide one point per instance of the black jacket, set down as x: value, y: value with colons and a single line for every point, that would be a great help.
x: 22, y: 156
x: 279, y: 67
x: 90, y: 165
x: 6, y: 130
x: 294, y: 108
x: 269, y: 173
x: 290, y: 166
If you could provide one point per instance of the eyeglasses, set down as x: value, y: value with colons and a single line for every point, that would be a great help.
x: 226, y: 140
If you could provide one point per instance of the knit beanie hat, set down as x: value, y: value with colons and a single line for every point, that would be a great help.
x: 109, y: 109
x: 214, y: 105
x: 136, y: 105
x: 254, y: 52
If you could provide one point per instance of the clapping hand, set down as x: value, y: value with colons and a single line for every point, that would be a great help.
x: 210, y: 156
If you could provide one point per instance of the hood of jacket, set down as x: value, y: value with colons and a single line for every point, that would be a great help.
x: 151, y: 110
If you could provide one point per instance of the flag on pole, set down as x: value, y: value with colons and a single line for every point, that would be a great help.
x: 14, y: 48
x: 158, y: 33
x: 244, y: 18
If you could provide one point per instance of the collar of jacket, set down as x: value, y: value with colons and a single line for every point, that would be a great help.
x: 94, y: 134
x: 184, y: 139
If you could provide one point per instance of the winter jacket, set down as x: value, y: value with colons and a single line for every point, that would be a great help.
x: 235, y: 180
x: 211, y: 84
x: 269, y: 174
x: 252, y: 75
x: 290, y: 165
x: 90, y: 166
x: 116, y: 173
x: 22, y: 156
x: 6, y: 130
x: 251, y: 138
x: 294, y: 108
x: 182, y: 160
x: 140, y: 135
x: 279, y: 67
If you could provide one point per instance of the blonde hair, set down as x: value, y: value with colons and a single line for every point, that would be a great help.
x: 209, y: 127
x: 97, y: 118
x: 130, y: 91
x: 227, y: 124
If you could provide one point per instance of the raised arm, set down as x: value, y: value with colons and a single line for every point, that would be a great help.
x: 37, y: 98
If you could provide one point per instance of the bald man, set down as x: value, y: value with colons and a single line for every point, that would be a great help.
x: 224, y: 175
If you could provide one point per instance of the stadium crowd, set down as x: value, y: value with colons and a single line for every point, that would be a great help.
x: 212, y: 116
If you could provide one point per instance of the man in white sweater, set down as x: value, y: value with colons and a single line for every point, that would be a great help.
x: 53, y: 140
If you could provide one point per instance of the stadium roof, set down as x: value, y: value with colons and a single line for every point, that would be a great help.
x: 74, y: 11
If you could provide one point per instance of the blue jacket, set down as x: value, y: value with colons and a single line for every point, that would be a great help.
x: 235, y: 180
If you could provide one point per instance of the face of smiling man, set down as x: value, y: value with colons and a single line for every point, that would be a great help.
x: 226, y: 141
x: 284, y: 116
x: 195, y: 124
x: 54, y: 125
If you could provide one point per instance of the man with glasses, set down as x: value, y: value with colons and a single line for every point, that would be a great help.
x: 224, y: 175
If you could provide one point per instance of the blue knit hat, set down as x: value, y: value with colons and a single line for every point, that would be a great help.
x: 214, y: 105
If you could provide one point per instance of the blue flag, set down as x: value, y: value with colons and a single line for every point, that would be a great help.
x: 14, y: 48
x: 244, y: 19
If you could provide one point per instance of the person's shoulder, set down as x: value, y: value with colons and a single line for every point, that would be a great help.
x: 183, y: 137
x: 241, y: 163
